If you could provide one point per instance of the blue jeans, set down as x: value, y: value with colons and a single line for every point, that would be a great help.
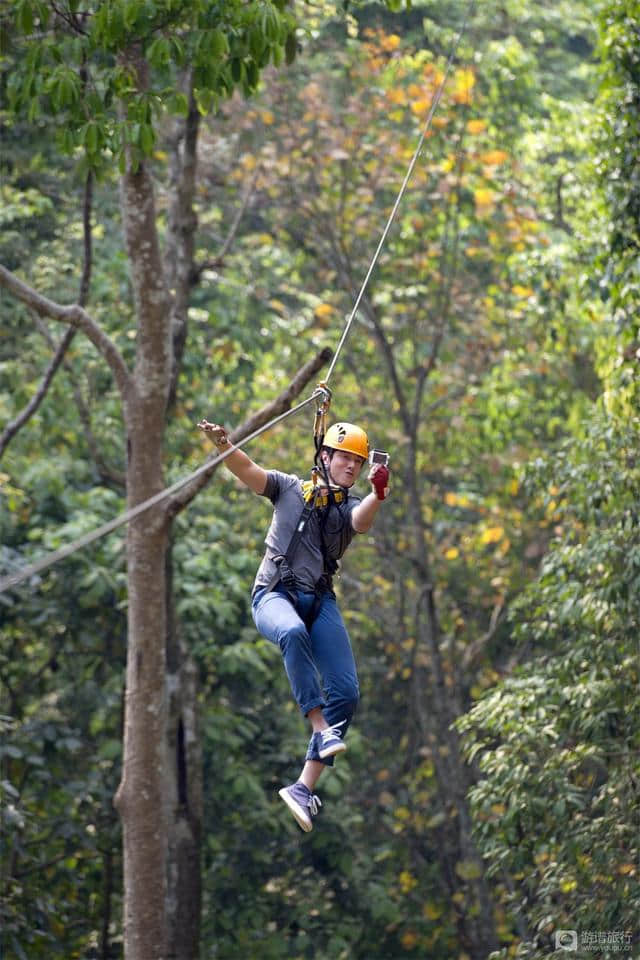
x: 319, y: 663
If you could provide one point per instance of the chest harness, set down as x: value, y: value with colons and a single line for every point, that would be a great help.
x: 323, y: 502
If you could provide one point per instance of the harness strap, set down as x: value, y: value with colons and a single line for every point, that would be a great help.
x: 285, y: 573
x: 287, y: 558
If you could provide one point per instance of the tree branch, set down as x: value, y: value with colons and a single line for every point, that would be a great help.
x: 218, y: 260
x: 182, y: 224
x: 475, y: 649
x: 108, y: 474
x: 273, y: 409
x: 28, y: 411
x: 75, y: 316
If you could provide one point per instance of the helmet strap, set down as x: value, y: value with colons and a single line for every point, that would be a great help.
x: 326, y: 471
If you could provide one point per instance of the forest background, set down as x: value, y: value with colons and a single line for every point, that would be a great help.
x: 207, y: 186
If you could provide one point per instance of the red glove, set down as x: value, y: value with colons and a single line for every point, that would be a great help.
x: 379, y: 477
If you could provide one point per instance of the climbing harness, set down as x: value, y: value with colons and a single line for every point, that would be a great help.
x: 314, y: 499
x: 321, y: 395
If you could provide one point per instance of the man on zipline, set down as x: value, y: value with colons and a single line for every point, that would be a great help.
x: 293, y: 602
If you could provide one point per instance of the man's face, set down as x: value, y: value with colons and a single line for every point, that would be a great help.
x: 344, y: 468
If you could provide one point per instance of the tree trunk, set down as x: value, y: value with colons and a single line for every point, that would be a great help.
x: 476, y: 917
x: 142, y: 796
x: 184, y: 783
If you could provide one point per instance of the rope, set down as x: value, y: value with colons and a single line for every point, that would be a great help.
x: 13, y: 580
x: 414, y: 160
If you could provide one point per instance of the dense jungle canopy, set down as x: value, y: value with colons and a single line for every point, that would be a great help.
x: 191, y: 196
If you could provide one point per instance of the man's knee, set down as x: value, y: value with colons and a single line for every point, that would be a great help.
x: 292, y: 636
x: 347, y: 694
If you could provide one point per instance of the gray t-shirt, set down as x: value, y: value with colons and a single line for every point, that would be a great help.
x: 285, y: 492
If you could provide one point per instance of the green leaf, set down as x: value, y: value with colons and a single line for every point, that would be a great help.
x: 291, y: 47
x: 24, y: 16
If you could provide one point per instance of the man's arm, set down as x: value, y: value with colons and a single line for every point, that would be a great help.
x: 238, y: 462
x: 364, y: 514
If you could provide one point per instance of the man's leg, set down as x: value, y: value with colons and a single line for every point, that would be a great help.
x: 333, y: 656
x: 277, y: 619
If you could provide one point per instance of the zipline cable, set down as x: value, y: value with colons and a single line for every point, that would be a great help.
x: 425, y: 130
x: 13, y: 580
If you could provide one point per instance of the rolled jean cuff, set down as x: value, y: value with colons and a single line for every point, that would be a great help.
x: 312, y: 752
x: 311, y: 705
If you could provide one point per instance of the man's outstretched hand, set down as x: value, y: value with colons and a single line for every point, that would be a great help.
x: 217, y: 433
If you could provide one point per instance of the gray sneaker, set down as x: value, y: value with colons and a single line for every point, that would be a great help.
x: 302, y: 803
x: 330, y: 741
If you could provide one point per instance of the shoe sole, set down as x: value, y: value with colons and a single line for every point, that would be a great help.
x: 303, y: 819
x: 332, y: 750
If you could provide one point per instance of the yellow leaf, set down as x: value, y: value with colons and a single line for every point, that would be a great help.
x: 407, y: 881
x: 390, y: 42
x: 521, y: 291
x: 464, y: 83
x: 397, y: 95
x: 465, y: 78
x: 409, y: 940
x: 432, y: 911
x: 452, y: 553
x: 494, y: 157
x: 450, y: 498
x: 278, y: 306
x: 476, y: 126
x: 324, y: 310
x: 484, y: 197
x: 492, y: 535
x: 420, y: 106
x: 267, y: 117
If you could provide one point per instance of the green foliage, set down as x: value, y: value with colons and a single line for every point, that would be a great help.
x: 105, y: 74
x: 61, y: 665
x: 556, y: 744
x: 617, y: 162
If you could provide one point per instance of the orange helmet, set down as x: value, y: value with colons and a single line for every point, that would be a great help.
x: 346, y: 436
